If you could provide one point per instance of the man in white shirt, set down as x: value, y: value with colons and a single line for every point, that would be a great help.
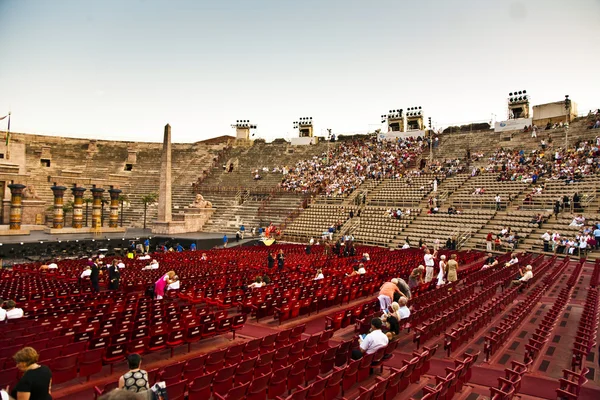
x: 319, y: 275
x: 405, y: 246
x: 121, y: 264
x: 2, y: 311
x: 429, y: 264
x: 361, y: 269
x: 525, y: 277
x: 512, y: 261
x: 86, y: 272
x: 52, y: 266
x: 546, y: 238
x: 374, y: 341
x: 12, y: 312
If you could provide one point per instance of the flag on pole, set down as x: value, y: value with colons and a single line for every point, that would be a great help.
x: 8, y: 131
x: 4, y: 117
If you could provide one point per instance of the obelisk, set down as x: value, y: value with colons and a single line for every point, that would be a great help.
x: 164, y: 196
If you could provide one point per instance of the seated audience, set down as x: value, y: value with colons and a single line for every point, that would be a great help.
x: 523, y: 278
x: 258, y: 283
x: 12, y: 311
x: 371, y: 342
x: 2, y: 311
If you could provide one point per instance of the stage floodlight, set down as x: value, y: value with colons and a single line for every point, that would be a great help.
x: 524, y: 91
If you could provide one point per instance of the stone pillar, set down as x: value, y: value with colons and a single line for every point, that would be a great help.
x: 16, y: 191
x: 164, y: 195
x: 113, y: 221
x: 78, y: 206
x: 59, y: 218
x: 97, y: 207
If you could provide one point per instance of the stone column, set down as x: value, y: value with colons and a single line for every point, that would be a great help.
x: 113, y: 221
x: 78, y: 206
x: 59, y: 218
x: 164, y: 195
x: 97, y: 207
x: 16, y: 191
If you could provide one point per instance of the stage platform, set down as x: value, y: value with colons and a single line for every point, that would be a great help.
x: 40, y: 245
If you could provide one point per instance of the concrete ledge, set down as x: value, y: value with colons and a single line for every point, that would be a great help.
x: 6, y: 231
x: 165, y: 228
x: 53, y: 231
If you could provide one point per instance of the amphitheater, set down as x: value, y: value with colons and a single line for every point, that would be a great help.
x: 479, y: 337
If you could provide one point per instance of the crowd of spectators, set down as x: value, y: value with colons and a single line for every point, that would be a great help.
x: 349, y: 164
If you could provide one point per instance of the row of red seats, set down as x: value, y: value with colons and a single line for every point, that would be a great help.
x: 86, y: 356
x: 453, y: 382
x: 220, y: 370
x: 344, y: 318
x: 496, y: 338
x: 483, y: 316
x: 587, y: 331
x: 433, y: 325
x: 595, y: 279
x: 546, y: 326
x: 510, y: 385
x: 397, y: 380
x: 329, y: 377
x: 452, y: 313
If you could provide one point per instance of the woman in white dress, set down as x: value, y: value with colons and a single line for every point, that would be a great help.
x: 440, y: 276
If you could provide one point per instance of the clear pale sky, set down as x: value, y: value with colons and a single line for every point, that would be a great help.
x: 121, y: 69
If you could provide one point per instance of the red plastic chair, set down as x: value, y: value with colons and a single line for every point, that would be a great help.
x: 350, y: 374
x: 238, y: 323
x: 172, y: 372
x: 313, y: 366
x: 177, y: 391
x: 252, y: 348
x: 114, y: 353
x: 235, y: 393
x: 234, y: 354
x: 278, y: 383
x: 264, y: 363
x: 200, y: 388
x: 105, y: 389
x: 215, y: 361
x: 317, y: 389
x: 299, y: 394
x: 157, y: 342
x: 193, y: 334
x: 175, y: 338
x: 258, y: 388
x: 139, y: 346
x: 296, y: 374
x: 245, y: 371
x: 64, y: 368
x: 297, y: 332
x: 223, y: 380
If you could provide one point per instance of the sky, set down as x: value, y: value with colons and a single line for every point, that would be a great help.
x: 116, y: 69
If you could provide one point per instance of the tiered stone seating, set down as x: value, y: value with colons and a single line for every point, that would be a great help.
x: 402, y: 193
x: 248, y: 159
x: 377, y: 227
x: 316, y: 219
x: 443, y: 226
x: 555, y: 190
x: 520, y: 223
x: 464, y: 197
x: 255, y: 211
x: 561, y: 225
